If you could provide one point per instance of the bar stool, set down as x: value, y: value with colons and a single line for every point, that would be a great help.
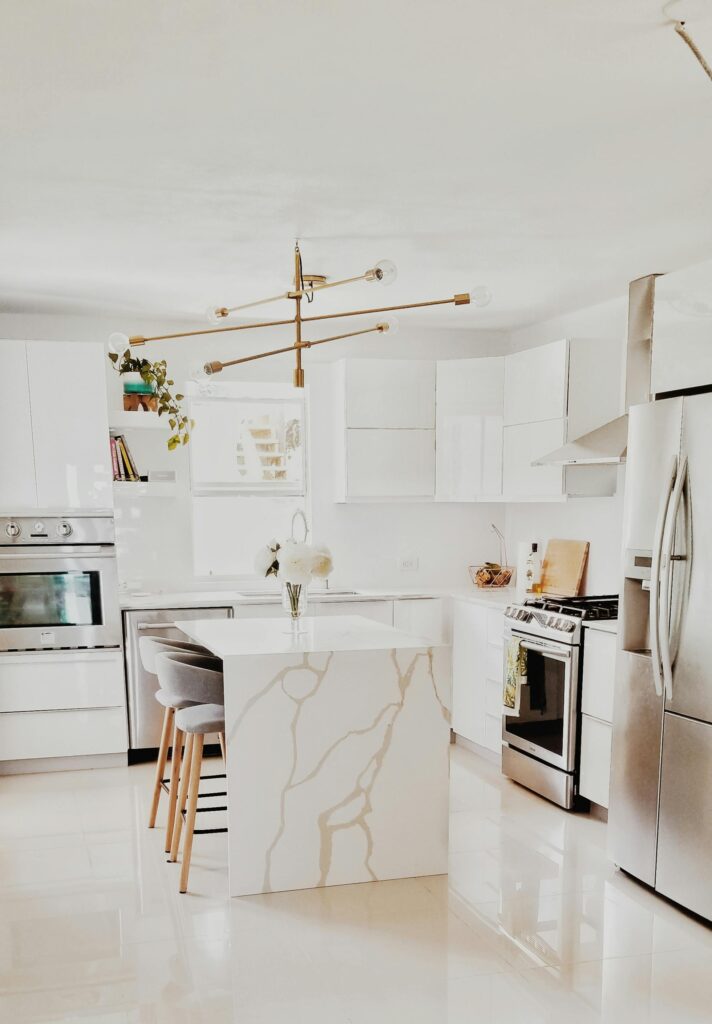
x: 149, y: 649
x: 185, y: 678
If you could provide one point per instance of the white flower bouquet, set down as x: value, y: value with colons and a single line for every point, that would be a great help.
x: 296, y: 564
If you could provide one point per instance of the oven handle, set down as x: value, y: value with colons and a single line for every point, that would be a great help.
x: 105, y: 551
x: 547, y: 652
x: 143, y: 626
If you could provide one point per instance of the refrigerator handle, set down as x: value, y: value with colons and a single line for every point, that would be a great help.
x: 665, y: 609
x: 654, y: 617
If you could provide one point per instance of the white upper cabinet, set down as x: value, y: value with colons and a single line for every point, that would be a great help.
x: 53, y: 407
x: 469, y: 394
x: 523, y: 443
x: 682, y: 331
x: 390, y: 463
x: 390, y: 393
x: 385, y: 429
x: 18, y: 488
x: 536, y: 384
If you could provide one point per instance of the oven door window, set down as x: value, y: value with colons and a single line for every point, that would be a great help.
x: 50, y: 599
x: 542, y: 707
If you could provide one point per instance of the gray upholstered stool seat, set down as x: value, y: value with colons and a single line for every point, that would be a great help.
x: 201, y: 718
x: 169, y: 701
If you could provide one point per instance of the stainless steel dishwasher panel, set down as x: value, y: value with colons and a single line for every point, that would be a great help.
x: 145, y: 713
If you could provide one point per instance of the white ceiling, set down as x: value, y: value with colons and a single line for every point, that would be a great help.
x: 160, y: 155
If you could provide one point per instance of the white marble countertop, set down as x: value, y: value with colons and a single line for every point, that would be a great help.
x: 228, y: 638
x: 146, y: 600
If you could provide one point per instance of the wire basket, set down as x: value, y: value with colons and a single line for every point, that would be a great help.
x: 490, y: 575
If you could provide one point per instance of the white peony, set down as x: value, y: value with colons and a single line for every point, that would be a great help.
x: 265, y: 560
x: 322, y: 563
x: 295, y: 562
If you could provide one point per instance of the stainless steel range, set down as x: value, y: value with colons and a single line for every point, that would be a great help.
x: 58, y: 583
x: 540, y: 743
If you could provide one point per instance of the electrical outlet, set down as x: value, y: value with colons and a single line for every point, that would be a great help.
x: 408, y: 563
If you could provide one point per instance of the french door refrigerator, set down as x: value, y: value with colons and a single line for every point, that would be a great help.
x: 660, y: 813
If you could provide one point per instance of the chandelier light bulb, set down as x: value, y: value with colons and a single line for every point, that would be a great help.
x: 215, y: 314
x: 386, y: 271
x: 198, y: 374
x: 118, y: 343
x: 480, y: 296
x: 389, y: 324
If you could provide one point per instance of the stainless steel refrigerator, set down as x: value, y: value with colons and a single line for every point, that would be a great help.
x: 660, y: 813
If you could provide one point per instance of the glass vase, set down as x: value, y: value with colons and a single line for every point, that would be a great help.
x: 294, y: 600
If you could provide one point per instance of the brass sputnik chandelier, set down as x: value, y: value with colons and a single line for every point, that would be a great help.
x: 305, y: 287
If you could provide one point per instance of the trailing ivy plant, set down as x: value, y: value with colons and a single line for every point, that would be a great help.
x: 156, y: 374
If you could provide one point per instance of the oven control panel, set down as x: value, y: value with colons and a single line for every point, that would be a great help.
x: 31, y: 531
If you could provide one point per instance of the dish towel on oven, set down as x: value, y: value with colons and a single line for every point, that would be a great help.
x: 515, y: 676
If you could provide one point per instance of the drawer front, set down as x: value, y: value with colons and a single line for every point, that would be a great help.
x: 494, y: 663
x: 493, y: 697
x: 61, y: 680
x: 495, y: 627
x: 595, y: 760
x: 62, y: 733
x: 599, y: 673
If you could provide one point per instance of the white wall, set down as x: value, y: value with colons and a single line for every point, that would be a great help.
x: 153, y: 534
x: 598, y: 520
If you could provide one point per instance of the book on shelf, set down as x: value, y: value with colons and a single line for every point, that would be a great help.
x: 122, y: 459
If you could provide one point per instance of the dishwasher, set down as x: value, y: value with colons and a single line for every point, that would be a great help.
x: 145, y: 713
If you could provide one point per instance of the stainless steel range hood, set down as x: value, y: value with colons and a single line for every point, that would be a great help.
x: 607, y: 444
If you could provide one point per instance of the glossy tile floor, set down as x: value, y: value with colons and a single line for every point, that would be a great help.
x: 533, y: 925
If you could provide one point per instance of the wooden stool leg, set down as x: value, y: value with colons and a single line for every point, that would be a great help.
x: 182, y: 797
x: 221, y: 737
x: 196, y: 763
x: 173, y: 790
x: 161, y: 765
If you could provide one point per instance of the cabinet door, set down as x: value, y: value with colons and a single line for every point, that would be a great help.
x: 61, y: 680
x: 469, y: 397
x: 682, y: 345
x: 390, y: 393
x: 35, y: 734
x: 469, y: 643
x: 379, y: 611
x: 422, y: 617
x: 595, y: 760
x: 390, y: 463
x: 522, y: 444
x: 70, y: 424
x: 536, y: 383
x: 599, y: 673
x: 18, y: 489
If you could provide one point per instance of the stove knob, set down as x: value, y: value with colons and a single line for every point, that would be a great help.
x: 569, y: 626
x: 13, y: 530
x: 64, y: 529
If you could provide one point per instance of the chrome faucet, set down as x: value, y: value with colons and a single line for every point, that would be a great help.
x: 299, y: 514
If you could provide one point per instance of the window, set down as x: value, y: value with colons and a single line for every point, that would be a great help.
x: 248, y: 471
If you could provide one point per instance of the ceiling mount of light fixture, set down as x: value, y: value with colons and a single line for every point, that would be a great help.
x: 306, y: 286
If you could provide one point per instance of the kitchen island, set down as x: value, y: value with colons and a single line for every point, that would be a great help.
x: 337, y: 751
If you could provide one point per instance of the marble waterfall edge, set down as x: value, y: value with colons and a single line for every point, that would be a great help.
x: 338, y: 767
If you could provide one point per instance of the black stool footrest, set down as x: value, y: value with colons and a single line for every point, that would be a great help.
x: 206, y: 831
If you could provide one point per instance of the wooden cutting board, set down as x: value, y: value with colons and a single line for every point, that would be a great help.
x: 563, y: 567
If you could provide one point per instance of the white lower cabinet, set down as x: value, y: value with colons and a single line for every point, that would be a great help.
x: 62, y: 704
x: 379, y: 611
x: 40, y: 734
x: 477, y: 669
x: 595, y: 759
x: 599, y: 672
x: 422, y: 616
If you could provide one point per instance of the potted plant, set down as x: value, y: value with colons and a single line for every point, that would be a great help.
x: 155, y: 374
